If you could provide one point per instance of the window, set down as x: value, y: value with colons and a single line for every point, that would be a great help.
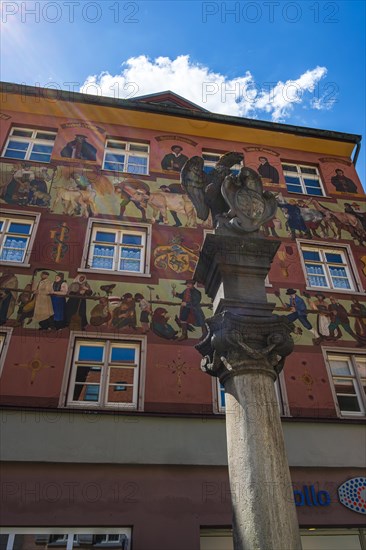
x: 328, y: 268
x: 16, y: 237
x: 110, y: 541
x: 118, y: 248
x: 210, y: 160
x: 29, y: 144
x: 123, y: 156
x: 348, y: 372
x: 12, y: 539
x: 302, y: 179
x: 105, y: 373
x: 280, y: 394
x: 60, y: 540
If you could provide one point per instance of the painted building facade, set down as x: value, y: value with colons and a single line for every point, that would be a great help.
x: 112, y: 436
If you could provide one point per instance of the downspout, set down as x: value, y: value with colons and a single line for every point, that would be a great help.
x: 357, y: 152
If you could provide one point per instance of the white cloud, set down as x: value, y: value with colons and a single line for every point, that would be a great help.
x: 240, y: 96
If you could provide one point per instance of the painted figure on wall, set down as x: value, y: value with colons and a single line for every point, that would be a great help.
x: 43, y: 309
x: 341, y: 221
x: 58, y: 298
x: 190, y: 310
x: 78, y: 199
x: 135, y: 191
x: 76, y: 305
x: 8, y: 282
x: 145, y: 311
x: 124, y: 316
x: 269, y: 228
x: 358, y: 310
x: 79, y: 148
x: 354, y: 209
x: 164, y: 201
x: 298, y: 310
x: 26, y: 187
x: 26, y: 303
x: 175, y: 188
x: 342, y: 183
x: 320, y: 306
x: 313, y: 219
x: 339, y: 318
x: 295, y: 220
x: 100, y: 314
x: 175, y: 160
x: 160, y: 325
x: 267, y: 171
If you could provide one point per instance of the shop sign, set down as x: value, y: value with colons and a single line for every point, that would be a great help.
x: 352, y: 494
x: 308, y: 496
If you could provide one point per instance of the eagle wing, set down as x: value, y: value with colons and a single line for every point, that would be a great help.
x: 194, y: 181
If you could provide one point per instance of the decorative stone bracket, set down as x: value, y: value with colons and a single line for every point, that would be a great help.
x: 237, y: 345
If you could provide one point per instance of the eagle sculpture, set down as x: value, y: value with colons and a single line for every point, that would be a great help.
x: 237, y: 202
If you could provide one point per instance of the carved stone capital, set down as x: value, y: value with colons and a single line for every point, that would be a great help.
x: 238, y: 345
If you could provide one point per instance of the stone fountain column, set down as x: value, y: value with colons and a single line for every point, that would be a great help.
x: 245, y: 349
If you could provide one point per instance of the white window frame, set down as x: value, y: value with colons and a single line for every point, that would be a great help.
x: 280, y: 389
x: 348, y: 353
x: 69, y: 376
x: 143, y: 229
x: 301, y: 176
x: 215, y: 157
x: 32, y: 140
x: 69, y: 533
x: 351, y: 270
x: 128, y: 152
x: 5, y: 336
x: 9, y: 216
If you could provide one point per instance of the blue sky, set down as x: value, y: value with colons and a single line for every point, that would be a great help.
x: 295, y: 62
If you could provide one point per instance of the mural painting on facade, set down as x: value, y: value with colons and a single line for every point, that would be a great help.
x: 342, y: 183
x: 82, y: 192
x: 178, y: 368
x: 302, y: 219
x: 155, y: 205
x: 176, y: 202
x: 8, y: 298
x: 172, y: 310
x: 268, y: 173
x: 59, y: 236
x: 363, y: 262
x: 176, y: 256
x: 343, y: 221
x: 79, y: 148
x: 77, y: 191
x: 286, y: 259
x: 174, y: 151
x: 310, y: 218
x: 355, y: 210
x: 24, y: 184
x: 190, y: 314
x: 175, y: 160
x: 332, y: 323
x: 79, y: 141
x: 35, y: 365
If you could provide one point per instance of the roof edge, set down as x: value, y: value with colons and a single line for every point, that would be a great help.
x: 52, y: 94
